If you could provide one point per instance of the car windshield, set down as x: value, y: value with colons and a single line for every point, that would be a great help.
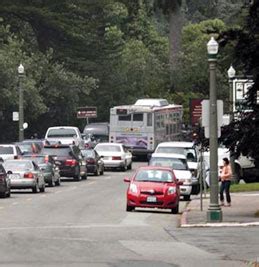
x: 61, y: 133
x: 88, y: 153
x: 190, y: 153
x: 108, y: 148
x: 154, y: 176
x: 26, y: 148
x: 38, y: 160
x: 17, y: 165
x: 174, y: 163
x: 57, y: 151
x: 6, y: 150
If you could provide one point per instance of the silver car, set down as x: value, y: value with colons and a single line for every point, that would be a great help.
x: 25, y: 174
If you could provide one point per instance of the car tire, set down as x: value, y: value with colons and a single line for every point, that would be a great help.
x: 42, y: 189
x: 8, y: 193
x: 84, y: 177
x: 130, y: 166
x: 124, y: 167
x: 77, y: 177
x: 187, y: 198
x: 57, y: 183
x: 97, y: 172
x: 129, y: 208
x: 175, y: 210
x: 51, y: 183
x: 36, y: 189
x: 102, y: 171
x: 3, y: 195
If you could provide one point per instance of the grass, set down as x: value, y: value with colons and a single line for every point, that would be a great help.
x: 244, y: 187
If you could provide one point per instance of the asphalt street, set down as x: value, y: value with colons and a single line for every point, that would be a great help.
x: 85, y: 224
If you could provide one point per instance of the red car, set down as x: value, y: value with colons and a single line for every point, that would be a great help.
x: 153, y: 187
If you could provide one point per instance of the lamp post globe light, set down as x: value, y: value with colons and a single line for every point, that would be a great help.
x: 214, y: 213
x: 231, y: 75
x: 21, y: 108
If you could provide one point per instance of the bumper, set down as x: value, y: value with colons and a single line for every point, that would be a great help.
x: 162, y: 202
x: 3, y: 188
x: 91, y: 168
x: 47, y: 177
x: 185, y: 190
x: 113, y: 163
x: 23, y: 183
x: 68, y: 171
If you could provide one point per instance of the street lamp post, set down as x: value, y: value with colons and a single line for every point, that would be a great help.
x: 231, y: 76
x: 214, y: 213
x: 21, y: 108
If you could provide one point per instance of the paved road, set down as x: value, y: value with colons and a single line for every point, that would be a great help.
x: 85, y: 224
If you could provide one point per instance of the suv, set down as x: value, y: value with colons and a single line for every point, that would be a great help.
x: 10, y: 151
x: 69, y: 159
x: 5, y: 184
x: 66, y: 135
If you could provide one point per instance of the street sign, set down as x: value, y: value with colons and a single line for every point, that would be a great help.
x: 240, y: 89
x: 206, y: 116
x: 86, y: 112
x: 15, y: 116
x: 195, y: 111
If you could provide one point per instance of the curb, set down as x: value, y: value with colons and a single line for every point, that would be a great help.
x: 234, y: 224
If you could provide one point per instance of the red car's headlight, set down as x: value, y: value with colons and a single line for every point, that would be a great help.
x: 133, y: 188
x: 171, y: 190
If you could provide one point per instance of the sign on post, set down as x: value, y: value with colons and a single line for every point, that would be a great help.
x: 15, y: 116
x: 240, y: 89
x: 206, y: 116
x: 86, y: 112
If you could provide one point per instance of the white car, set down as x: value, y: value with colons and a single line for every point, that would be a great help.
x: 187, y: 149
x: 66, y: 135
x: 10, y: 151
x: 115, y: 155
x: 180, y: 167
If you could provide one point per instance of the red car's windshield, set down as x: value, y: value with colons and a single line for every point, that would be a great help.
x: 154, y: 176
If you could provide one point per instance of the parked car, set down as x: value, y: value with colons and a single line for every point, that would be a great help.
x: 66, y: 135
x: 24, y: 174
x: 69, y: 159
x: 94, y: 162
x: 187, y: 149
x: 153, y: 187
x: 180, y: 167
x: 49, y: 168
x: 115, y: 155
x: 5, y: 183
x: 28, y: 148
x: 10, y: 151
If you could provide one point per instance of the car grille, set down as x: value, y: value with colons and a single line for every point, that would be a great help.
x: 152, y: 203
x: 150, y: 192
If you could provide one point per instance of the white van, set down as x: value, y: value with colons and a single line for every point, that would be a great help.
x: 65, y: 135
x: 188, y: 150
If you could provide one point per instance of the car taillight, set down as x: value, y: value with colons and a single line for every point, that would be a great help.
x: 91, y: 161
x: 116, y: 158
x: 71, y: 162
x: 28, y: 175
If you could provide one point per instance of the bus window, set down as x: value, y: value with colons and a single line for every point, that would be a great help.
x: 149, y: 119
x: 124, y: 118
x: 138, y: 117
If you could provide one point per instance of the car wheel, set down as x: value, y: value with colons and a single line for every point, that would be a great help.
x: 3, y: 195
x: 130, y: 166
x: 97, y: 172
x: 77, y: 177
x: 42, y: 189
x: 57, y: 183
x: 175, y: 210
x: 129, y: 208
x: 51, y: 183
x: 124, y: 167
x: 187, y: 198
x: 84, y: 177
x: 102, y: 171
x: 35, y: 189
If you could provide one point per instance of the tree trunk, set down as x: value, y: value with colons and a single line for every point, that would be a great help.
x: 175, y: 30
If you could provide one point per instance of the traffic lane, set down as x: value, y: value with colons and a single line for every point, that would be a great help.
x: 87, y: 232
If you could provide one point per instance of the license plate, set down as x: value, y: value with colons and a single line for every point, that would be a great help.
x: 14, y: 176
x: 151, y: 199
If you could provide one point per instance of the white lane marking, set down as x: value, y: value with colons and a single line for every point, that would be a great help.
x: 43, y: 195
x: 66, y: 190
x: 70, y: 227
x: 234, y: 224
x: 91, y: 183
x: 28, y: 199
x: 1, y: 208
x: 15, y: 203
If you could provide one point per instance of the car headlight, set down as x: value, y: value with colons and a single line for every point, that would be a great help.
x: 133, y: 188
x: 171, y: 190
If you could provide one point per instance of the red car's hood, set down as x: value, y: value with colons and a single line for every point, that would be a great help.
x: 155, y: 186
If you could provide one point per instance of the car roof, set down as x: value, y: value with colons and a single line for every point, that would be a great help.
x: 5, y: 145
x: 176, y: 144
x: 62, y: 127
x: 109, y: 144
x: 168, y: 155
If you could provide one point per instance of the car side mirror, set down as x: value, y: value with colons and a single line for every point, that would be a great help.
x: 126, y: 180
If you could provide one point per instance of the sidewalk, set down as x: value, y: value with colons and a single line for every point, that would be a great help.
x: 244, y: 211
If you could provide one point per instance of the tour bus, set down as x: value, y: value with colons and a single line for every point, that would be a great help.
x: 142, y: 126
